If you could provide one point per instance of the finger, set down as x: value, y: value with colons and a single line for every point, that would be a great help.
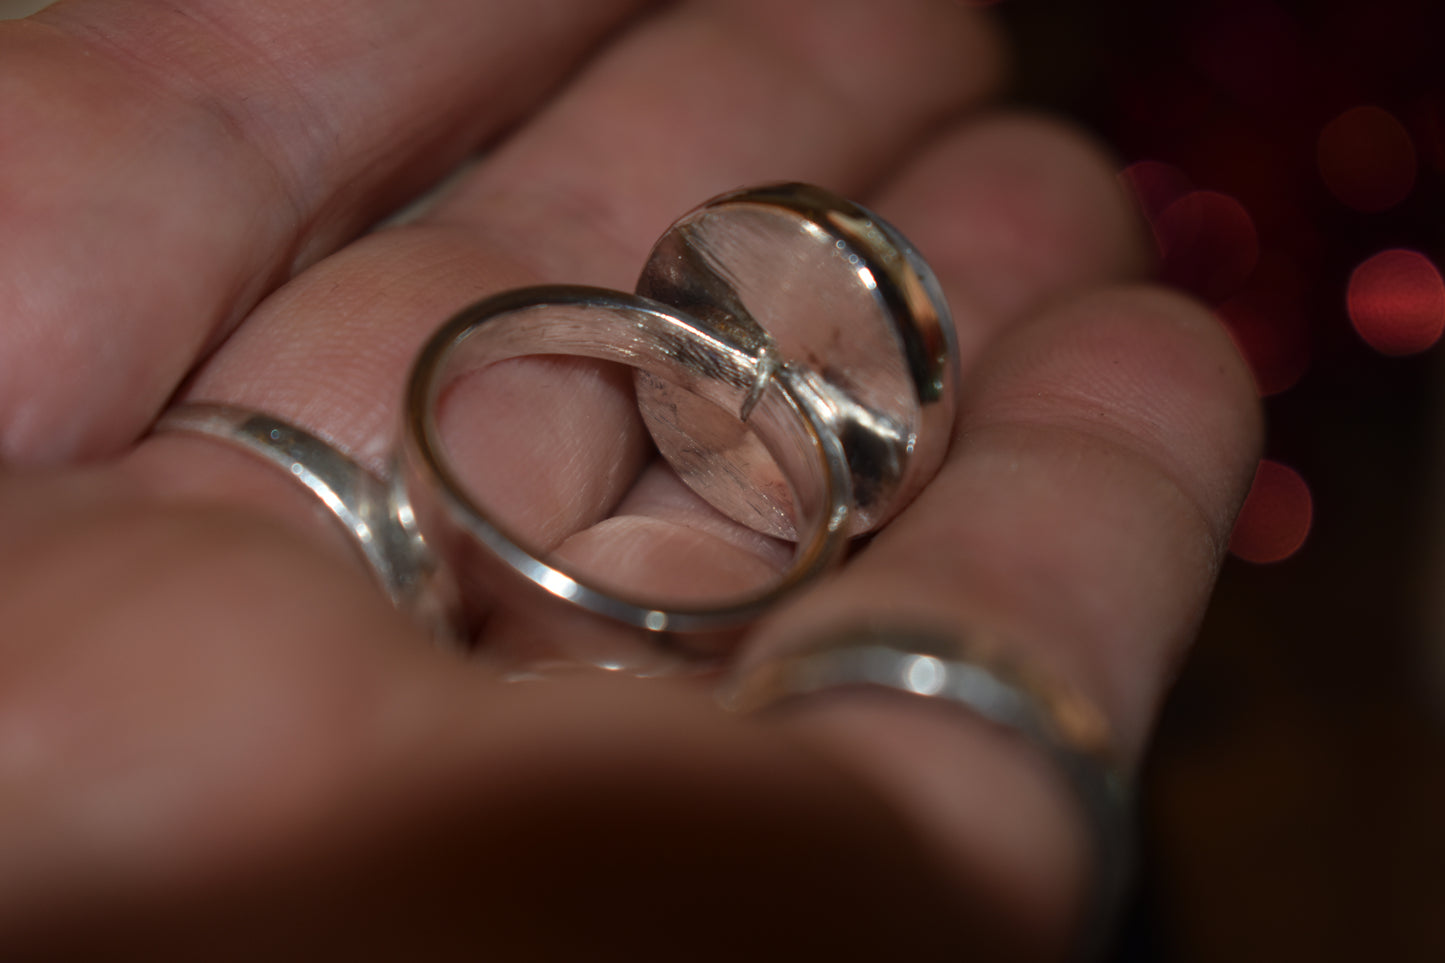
x: 173, y: 162
x: 753, y: 91
x: 1033, y: 209
x: 218, y: 676
x: 331, y: 349
x: 450, y: 811
x: 177, y: 758
x: 234, y: 726
x: 1102, y: 452
x: 1130, y: 401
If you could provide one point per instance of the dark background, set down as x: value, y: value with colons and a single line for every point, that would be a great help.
x: 1294, y: 800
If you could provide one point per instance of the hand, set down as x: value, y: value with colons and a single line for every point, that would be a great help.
x: 216, y: 736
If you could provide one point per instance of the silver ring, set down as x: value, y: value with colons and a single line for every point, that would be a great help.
x: 374, y: 513
x: 795, y: 363
x: 612, y: 326
x: 931, y: 665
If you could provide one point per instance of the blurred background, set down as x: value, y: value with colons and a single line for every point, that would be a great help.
x: 1290, y: 155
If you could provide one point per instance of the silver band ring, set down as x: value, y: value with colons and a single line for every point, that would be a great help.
x: 795, y: 363
x: 612, y: 326
x: 377, y: 519
x: 927, y: 664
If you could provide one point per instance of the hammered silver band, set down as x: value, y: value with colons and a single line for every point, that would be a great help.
x: 944, y: 669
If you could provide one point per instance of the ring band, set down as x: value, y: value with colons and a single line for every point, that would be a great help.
x: 926, y: 664
x: 378, y: 521
x: 626, y: 328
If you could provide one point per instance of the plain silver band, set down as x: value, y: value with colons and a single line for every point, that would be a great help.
x: 374, y: 514
x: 927, y: 664
x: 790, y: 416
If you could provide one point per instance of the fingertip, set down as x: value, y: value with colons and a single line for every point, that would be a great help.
x: 991, y: 809
x: 1142, y: 366
x: 956, y: 49
x: 1013, y: 209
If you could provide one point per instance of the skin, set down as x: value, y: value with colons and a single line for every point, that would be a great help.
x: 217, y: 738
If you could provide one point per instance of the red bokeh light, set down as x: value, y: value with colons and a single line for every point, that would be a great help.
x: 1276, y: 518
x: 1208, y: 244
x: 1396, y: 301
x: 1367, y: 159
